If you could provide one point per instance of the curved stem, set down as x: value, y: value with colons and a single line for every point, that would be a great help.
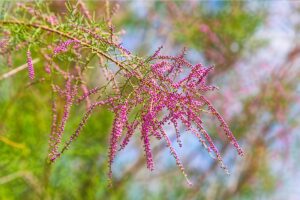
x: 66, y: 35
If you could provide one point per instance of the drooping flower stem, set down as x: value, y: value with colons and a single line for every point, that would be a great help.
x: 30, y: 65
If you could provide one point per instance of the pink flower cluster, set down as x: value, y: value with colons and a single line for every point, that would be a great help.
x: 171, y: 93
x: 58, y: 129
x: 168, y: 90
x: 30, y: 65
x: 63, y: 46
x: 118, y: 126
x: 160, y: 90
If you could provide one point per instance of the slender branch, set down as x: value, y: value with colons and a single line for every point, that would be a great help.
x: 66, y: 35
x: 12, y: 143
x: 16, y: 70
x: 10, y: 177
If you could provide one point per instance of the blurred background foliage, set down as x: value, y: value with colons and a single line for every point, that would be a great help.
x: 253, y: 46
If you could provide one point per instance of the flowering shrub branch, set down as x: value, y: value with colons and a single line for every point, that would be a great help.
x: 145, y: 94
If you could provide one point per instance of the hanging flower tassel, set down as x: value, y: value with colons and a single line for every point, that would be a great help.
x: 30, y: 65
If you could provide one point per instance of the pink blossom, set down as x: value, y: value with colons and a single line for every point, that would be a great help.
x: 63, y: 47
x: 118, y: 126
x: 30, y: 65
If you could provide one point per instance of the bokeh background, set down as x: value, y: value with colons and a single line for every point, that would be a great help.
x: 255, y: 48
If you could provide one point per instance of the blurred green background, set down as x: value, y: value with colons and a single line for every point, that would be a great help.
x: 254, y: 47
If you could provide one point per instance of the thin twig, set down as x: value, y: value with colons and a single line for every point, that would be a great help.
x: 66, y: 35
x: 16, y: 70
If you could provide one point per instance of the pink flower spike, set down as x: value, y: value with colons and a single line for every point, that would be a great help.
x: 145, y: 137
x: 30, y: 65
x: 118, y: 126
